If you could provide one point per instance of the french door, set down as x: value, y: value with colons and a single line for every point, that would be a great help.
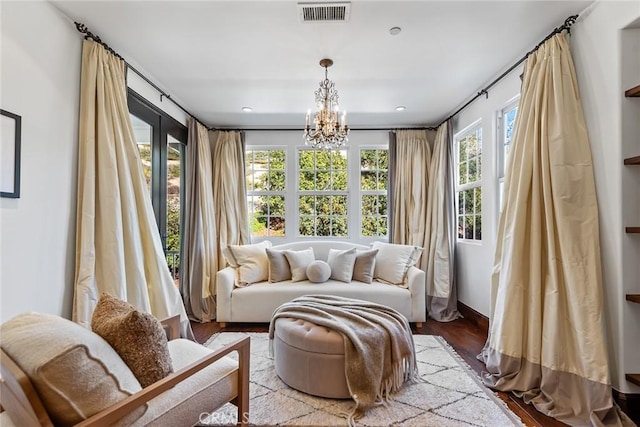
x: 161, y: 143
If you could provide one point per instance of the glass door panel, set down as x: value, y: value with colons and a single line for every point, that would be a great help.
x: 143, y: 132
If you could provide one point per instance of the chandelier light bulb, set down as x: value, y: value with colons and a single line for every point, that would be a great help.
x: 328, y: 131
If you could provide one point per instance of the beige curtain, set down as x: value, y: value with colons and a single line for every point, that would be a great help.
x: 229, y: 191
x: 199, y: 258
x: 118, y: 248
x: 439, y: 249
x: 410, y: 171
x: 546, y: 339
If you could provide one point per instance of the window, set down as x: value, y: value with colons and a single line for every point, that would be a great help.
x: 374, y: 166
x: 161, y: 141
x: 322, y: 193
x: 469, y: 183
x: 506, y: 122
x: 266, y: 191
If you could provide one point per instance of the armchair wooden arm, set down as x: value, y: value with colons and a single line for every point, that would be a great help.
x: 22, y: 402
x: 171, y: 326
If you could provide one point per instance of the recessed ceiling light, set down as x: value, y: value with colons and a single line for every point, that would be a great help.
x: 401, y: 108
x: 247, y: 109
x: 394, y: 31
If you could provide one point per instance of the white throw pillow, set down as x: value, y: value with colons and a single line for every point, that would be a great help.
x: 393, y: 261
x: 250, y: 261
x: 341, y: 263
x: 318, y: 271
x: 298, y: 262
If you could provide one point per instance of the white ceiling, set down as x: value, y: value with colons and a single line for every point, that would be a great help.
x: 214, y: 57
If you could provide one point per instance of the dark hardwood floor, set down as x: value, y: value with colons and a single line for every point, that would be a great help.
x: 463, y: 335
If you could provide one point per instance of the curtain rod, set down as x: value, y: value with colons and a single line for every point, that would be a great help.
x: 302, y: 130
x: 89, y: 35
x: 566, y: 26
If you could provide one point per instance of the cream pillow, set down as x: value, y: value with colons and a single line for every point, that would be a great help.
x: 341, y: 263
x: 75, y: 372
x: 393, y: 261
x: 278, y: 266
x: 250, y: 261
x: 298, y: 262
x: 364, y: 266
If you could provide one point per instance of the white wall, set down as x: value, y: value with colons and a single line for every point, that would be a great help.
x: 475, y: 259
x: 40, y: 74
x: 614, y: 132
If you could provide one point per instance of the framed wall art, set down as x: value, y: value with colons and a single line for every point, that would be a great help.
x: 10, y: 132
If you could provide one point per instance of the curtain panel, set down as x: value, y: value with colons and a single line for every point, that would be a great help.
x: 546, y: 341
x: 199, y: 257
x: 118, y: 247
x: 410, y: 170
x: 439, y: 251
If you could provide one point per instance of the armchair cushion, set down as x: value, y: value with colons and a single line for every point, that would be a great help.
x: 63, y: 360
x: 136, y: 336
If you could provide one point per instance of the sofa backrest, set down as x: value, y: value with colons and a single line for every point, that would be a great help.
x: 320, y: 247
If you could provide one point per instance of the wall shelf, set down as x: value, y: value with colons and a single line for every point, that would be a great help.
x: 633, y: 298
x: 634, y: 378
x: 632, y: 161
x: 634, y: 92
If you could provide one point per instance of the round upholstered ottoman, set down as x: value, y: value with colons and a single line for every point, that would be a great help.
x: 310, y: 358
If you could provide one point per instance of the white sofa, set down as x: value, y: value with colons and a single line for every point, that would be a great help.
x: 257, y: 302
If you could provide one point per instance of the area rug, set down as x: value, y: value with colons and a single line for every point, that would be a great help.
x: 451, y: 394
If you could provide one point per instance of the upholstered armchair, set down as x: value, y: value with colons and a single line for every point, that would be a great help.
x: 56, y: 372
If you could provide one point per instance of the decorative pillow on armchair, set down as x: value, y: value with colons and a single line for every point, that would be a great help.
x: 393, y: 261
x: 250, y: 261
x: 136, y: 336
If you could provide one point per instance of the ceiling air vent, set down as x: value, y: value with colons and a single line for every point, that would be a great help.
x: 324, y: 12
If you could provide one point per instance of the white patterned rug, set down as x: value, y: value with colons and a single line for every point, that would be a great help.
x: 451, y: 394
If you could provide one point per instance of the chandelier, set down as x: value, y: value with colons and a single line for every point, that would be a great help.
x: 327, y: 132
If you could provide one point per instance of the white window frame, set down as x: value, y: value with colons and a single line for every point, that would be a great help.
x: 474, y: 127
x: 283, y: 193
x: 376, y: 192
x: 298, y: 193
x: 501, y: 161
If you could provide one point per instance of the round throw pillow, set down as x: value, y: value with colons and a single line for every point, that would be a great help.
x: 318, y: 271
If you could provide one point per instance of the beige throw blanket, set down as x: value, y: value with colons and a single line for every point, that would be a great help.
x: 378, y: 345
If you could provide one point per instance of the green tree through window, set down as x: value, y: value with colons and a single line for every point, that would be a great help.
x: 266, y: 186
x: 374, y: 165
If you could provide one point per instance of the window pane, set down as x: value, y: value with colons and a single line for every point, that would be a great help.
x: 259, y: 226
x: 143, y: 133
x: 368, y: 226
x: 306, y: 181
x: 368, y: 180
x: 473, y: 168
x: 462, y: 151
x: 323, y: 226
x: 461, y: 227
x: 468, y: 226
x: 276, y: 226
x: 323, y: 160
x: 306, y: 226
x: 174, y: 170
x: 468, y: 201
x: 462, y: 173
x: 323, y: 205
x: 478, y: 228
x: 277, y: 159
x: 339, y: 159
x: 277, y: 181
x: 382, y: 226
x: 478, y: 200
x: 368, y: 159
x: 339, y: 205
x: 323, y: 181
x: 339, y: 180
x: 460, y: 202
x: 383, y: 159
x: 368, y: 205
x: 339, y: 227
x: 306, y: 205
x: 382, y: 180
x: 382, y: 205
x: 306, y: 160
x: 276, y: 205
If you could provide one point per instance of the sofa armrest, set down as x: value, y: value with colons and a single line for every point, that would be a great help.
x: 110, y: 415
x: 225, y: 281
x: 416, y: 283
